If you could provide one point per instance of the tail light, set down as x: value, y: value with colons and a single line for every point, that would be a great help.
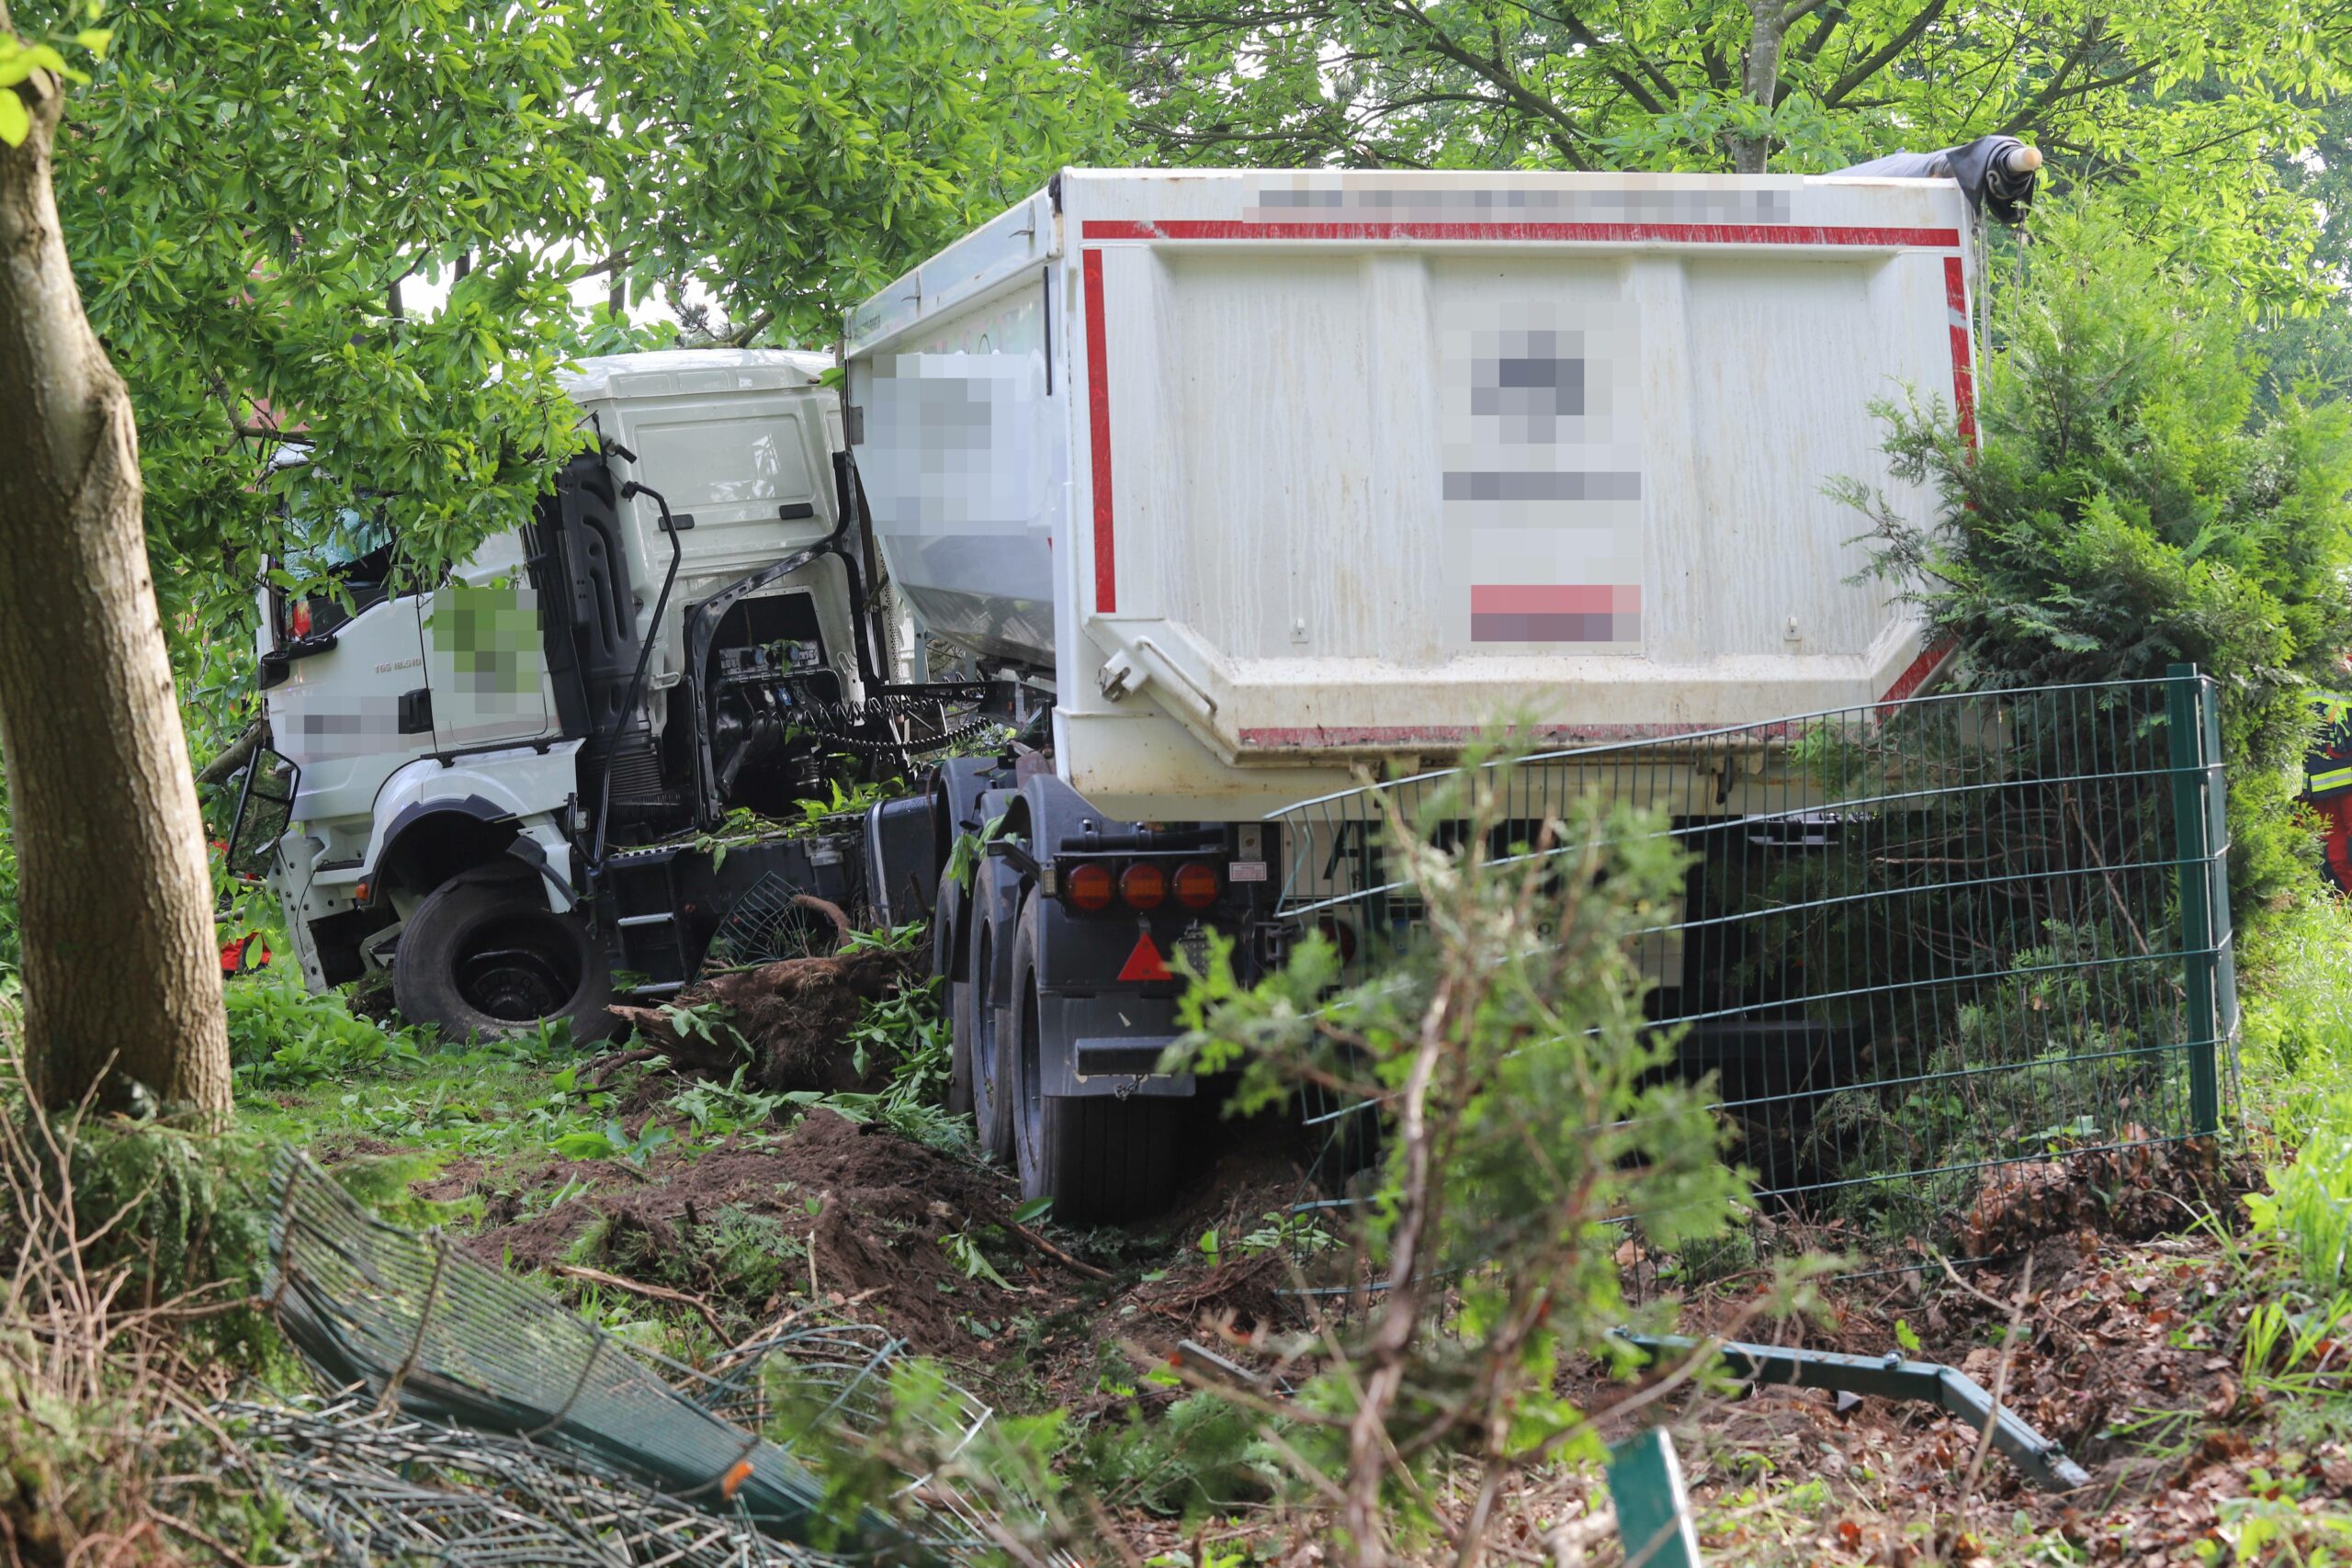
x: 1340, y: 934
x: 1088, y: 887
x: 1143, y: 886
x: 1196, y: 885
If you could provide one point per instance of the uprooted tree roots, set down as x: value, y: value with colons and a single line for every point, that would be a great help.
x: 793, y: 1017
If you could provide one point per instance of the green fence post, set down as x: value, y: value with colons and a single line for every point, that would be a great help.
x: 2217, y: 847
x: 1653, y: 1509
x: 2192, y: 849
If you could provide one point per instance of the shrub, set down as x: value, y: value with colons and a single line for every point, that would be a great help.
x: 280, y: 1036
x: 1533, y: 1129
x: 2307, y: 1214
x: 2133, y: 505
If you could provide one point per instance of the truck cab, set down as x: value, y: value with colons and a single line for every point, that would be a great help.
x: 617, y: 668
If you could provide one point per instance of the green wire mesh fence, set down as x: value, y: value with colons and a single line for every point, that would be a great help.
x: 468, y: 1417
x: 1921, y: 942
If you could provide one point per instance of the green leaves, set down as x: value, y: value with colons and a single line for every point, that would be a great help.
x: 269, y: 208
x: 2137, y: 504
x: 19, y: 59
x: 964, y: 855
x: 2204, y: 110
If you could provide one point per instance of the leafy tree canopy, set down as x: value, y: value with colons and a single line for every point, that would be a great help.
x: 244, y: 188
x: 2186, y: 98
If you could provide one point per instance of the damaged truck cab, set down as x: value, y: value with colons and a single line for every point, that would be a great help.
x: 620, y: 670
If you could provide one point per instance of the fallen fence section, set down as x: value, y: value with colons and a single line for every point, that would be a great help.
x: 1655, y: 1523
x: 2042, y: 1461
x: 555, y: 1427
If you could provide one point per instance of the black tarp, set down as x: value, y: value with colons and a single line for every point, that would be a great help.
x: 1982, y: 167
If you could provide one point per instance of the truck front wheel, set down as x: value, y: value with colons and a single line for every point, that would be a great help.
x: 488, y: 959
x: 1097, y: 1156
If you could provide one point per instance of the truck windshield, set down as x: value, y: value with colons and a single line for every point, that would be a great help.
x: 335, y: 564
x: 351, y: 547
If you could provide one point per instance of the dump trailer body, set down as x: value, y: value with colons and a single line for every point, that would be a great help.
x: 1282, y: 473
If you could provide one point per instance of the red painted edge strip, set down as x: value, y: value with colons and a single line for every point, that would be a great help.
x: 1914, y: 675
x: 1677, y: 233
x: 1098, y: 420
x: 1963, y: 373
x: 1322, y: 737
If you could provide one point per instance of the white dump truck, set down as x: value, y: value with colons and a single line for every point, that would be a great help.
x: 1270, y: 477
x: 1219, y: 488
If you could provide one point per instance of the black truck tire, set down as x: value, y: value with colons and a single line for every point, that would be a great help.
x: 486, y: 958
x: 946, y: 911
x: 1097, y: 1156
x: 985, y: 1020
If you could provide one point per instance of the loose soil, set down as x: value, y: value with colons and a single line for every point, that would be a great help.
x: 2120, y: 1350
x: 883, y: 1209
x: 793, y: 1015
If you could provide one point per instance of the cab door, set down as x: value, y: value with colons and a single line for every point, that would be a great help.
x: 485, y: 664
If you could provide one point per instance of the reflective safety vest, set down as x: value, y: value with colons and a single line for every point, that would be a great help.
x: 2327, y: 765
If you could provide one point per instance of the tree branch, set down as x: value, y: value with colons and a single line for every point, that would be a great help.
x: 1593, y: 43
x: 1810, y: 50
x: 2025, y: 118
x: 1878, y: 59
x: 2056, y: 87
x: 613, y: 263
x: 1494, y: 72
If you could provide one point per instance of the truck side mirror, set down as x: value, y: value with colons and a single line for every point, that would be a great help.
x: 265, y: 807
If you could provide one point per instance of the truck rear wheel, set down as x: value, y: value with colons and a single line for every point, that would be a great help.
x: 1097, y: 1156
x: 946, y: 911
x: 983, y: 1020
x: 488, y: 959
x: 993, y: 1079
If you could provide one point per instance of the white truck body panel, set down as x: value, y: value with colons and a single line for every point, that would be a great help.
x: 1281, y: 473
x: 733, y: 438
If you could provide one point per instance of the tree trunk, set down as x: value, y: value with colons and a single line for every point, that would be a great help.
x: 123, y: 977
x: 1749, y: 154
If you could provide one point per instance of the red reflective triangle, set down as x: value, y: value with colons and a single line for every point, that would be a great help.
x: 1144, y: 963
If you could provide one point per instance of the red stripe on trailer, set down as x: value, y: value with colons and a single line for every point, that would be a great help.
x: 1914, y: 675
x: 1554, y: 598
x: 1098, y: 419
x: 1672, y: 233
x: 1963, y: 373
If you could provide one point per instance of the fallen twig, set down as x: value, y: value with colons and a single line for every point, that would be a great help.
x: 1050, y: 1250
x: 759, y: 1338
x: 601, y: 1070
x: 637, y: 1287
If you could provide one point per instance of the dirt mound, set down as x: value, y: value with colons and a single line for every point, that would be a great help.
x: 796, y: 1015
x: 881, y: 1229
x: 1240, y: 1296
x: 2141, y: 1190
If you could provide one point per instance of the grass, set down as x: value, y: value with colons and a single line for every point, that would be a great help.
x: 311, y: 1073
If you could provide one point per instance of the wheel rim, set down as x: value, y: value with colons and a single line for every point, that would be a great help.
x: 518, y: 966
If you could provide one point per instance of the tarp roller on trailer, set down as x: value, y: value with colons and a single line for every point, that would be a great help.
x: 1280, y: 471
